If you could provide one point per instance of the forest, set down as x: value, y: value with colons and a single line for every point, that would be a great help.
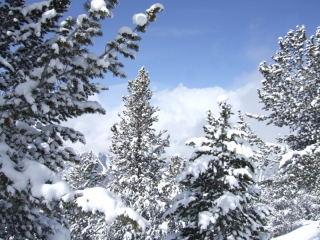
x: 222, y: 191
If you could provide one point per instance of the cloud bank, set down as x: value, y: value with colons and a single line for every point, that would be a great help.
x: 182, y: 113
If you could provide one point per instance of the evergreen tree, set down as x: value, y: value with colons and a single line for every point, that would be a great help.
x: 291, y: 90
x: 138, y: 164
x: 45, y: 79
x: 219, y: 185
x: 291, y: 95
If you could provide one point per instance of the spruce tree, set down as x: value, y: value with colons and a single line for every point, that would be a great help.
x: 45, y: 79
x: 137, y: 166
x: 219, y: 185
x: 290, y: 93
x: 291, y: 90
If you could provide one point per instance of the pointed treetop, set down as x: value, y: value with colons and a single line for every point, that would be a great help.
x: 143, y: 69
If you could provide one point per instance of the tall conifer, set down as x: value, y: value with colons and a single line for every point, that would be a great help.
x: 290, y: 94
x: 138, y: 164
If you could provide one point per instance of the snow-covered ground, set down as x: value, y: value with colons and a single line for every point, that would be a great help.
x: 309, y: 231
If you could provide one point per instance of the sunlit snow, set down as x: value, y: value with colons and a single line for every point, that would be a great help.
x: 139, y: 19
x: 99, y: 5
x: 222, y: 99
x: 310, y: 231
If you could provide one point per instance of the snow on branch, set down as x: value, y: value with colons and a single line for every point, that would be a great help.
x: 99, y: 199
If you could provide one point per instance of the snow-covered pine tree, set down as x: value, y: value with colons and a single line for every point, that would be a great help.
x: 138, y: 163
x: 291, y: 95
x: 45, y: 73
x: 219, y: 185
x: 86, y: 174
x: 291, y: 88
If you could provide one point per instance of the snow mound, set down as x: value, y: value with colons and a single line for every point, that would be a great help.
x: 98, y: 5
x: 156, y: 5
x: 228, y: 201
x: 205, y: 218
x: 311, y: 231
x: 140, y: 19
x: 125, y: 30
x: 222, y: 99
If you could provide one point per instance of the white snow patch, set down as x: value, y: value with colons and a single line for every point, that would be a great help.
x: 236, y: 132
x: 24, y: 126
x: 204, y: 219
x: 55, y: 47
x: 80, y: 19
x: 285, y: 158
x: 156, y: 5
x: 80, y: 61
x: 140, y: 19
x: 311, y: 231
x: 228, y: 201
x: 92, y: 56
x: 103, y: 63
x: 222, y: 99
x: 54, y: 190
x: 45, y: 108
x: 195, y: 168
x: 242, y: 171
x: 245, y: 151
x: 99, y: 5
x: 37, y: 5
x: 126, y: 30
x: 56, y: 63
x: 164, y: 226
x: 101, y: 200
x: 44, y: 183
x: 48, y: 14
x: 232, y: 181
x: 26, y: 88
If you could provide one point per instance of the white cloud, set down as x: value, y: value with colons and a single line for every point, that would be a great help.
x: 182, y: 113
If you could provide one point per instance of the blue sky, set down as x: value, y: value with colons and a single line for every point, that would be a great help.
x: 206, y: 43
x: 195, y: 51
